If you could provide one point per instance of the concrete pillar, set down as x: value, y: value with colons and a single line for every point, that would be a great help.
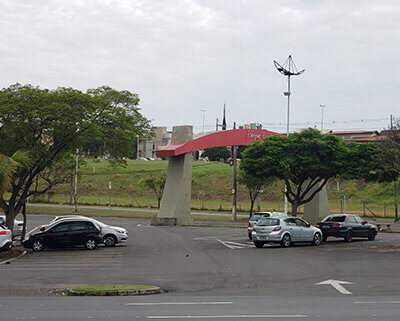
x: 176, y: 199
x: 318, y: 208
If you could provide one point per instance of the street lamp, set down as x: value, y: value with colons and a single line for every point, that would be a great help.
x: 204, y: 111
x: 288, y: 69
x: 322, y: 117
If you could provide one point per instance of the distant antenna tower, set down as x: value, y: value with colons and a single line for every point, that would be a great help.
x: 223, y: 125
x: 288, y: 69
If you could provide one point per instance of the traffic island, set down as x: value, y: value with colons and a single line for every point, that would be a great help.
x: 112, y: 290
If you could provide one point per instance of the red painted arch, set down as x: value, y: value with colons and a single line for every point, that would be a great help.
x: 233, y: 137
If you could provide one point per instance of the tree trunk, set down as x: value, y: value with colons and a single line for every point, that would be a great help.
x: 294, y: 208
x: 24, y: 223
x: 10, y: 218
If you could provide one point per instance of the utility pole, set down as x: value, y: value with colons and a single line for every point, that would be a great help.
x: 204, y: 111
x: 76, y: 180
x: 322, y: 118
x: 234, y: 188
x: 396, y: 210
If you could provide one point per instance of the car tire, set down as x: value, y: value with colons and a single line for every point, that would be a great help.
x: 110, y: 240
x: 317, y: 239
x: 91, y: 243
x: 37, y: 245
x: 371, y: 235
x: 258, y: 244
x: 348, y: 237
x: 286, y: 240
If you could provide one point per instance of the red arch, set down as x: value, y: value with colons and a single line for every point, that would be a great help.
x: 233, y: 137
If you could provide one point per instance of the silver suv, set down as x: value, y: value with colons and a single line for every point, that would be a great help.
x: 286, y: 231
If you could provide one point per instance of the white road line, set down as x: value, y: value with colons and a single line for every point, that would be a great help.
x: 377, y: 302
x: 337, y: 285
x: 227, y: 245
x: 240, y: 244
x: 178, y: 303
x: 248, y: 316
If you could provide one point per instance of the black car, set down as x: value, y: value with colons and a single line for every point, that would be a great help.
x: 346, y: 226
x: 64, y: 233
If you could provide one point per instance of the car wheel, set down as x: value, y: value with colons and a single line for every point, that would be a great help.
x: 317, y: 240
x: 286, y: 240
x: 91, y: 244
x: 37, y: 245
x: 110, y: 240
x: 258, y: 244
x: 371, y: 235
x: 250, y: 238
x: 348, y: 237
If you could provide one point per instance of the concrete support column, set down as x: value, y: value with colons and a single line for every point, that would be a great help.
x: 176, y: 199
x: 318, y: 208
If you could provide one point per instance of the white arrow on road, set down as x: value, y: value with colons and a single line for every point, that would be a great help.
x: 337, y: 285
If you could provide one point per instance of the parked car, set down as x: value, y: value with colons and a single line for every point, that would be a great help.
x: 346, y: 226
x: 257, y: 216
x: 111, y: 235
x: 64, y: 233
x: 17, y: 230
x: 5, y: 238
x: 286, y: 231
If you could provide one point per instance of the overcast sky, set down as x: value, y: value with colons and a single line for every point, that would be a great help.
x: 182, y: 56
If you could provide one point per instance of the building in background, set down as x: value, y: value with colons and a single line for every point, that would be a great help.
x: 147, y: 146
x: 358, y: 136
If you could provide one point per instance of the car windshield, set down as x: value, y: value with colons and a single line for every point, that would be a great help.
x: 101, y: 224
x: 335, y: 219
x: 268, y: 222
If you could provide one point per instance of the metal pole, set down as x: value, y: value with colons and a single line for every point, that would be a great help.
x: 234, y: 183
x: 396, y: 210
x: 287, y: 134
x: 204, y: 111
x: 322, y: 118
x: 76, y: 180
x: 137, y: 148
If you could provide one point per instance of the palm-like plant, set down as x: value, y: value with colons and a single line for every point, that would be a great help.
x: 9, y: 166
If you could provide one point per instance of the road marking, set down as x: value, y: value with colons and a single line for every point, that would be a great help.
x: 233, y: 245
x: 177, y: 303
x: 337, y: 285
x: 249, y: 316
x: 377, y: 302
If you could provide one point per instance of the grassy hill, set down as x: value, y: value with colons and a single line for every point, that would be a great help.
x: 211, y: 188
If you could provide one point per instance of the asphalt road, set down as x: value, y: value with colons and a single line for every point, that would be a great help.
x: 204, y: 267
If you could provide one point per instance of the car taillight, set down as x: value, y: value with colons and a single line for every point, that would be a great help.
x: 254, y: 229
x: 317, y: 225
x: 42, y: 229
x: 337, y: 225
x: 3, y: 232
x: 276, y: 229
x: 249, y: 224
x: 20, y: 224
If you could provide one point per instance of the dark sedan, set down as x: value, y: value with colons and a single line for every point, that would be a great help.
x: 346, y: 226
x: 64, y: 233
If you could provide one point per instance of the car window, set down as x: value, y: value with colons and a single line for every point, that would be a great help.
x: 358, y: 219
x: 62, y: 227
x: 350, y: 219
x: 77, y: 226
x: 290, y: 221
x: 268, y: 222
x: 300, y: 222
x: 340, y: 218
x: 90, y: 226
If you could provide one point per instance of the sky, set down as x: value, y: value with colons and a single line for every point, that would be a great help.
x: 185, y: 56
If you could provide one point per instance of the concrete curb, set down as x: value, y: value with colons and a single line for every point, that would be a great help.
x: 13, y: 259
x: 153, y: 290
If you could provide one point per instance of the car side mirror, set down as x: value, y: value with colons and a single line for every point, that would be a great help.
x: 364, y: 222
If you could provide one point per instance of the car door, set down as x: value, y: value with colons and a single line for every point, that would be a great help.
x: 363, y: 226
x: 77, y: 232
x: 293, y: 229
x: 306, y: 232
x: 355, y: 226
x: 57, y: 235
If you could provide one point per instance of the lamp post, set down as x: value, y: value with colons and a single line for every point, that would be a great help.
x: 204, y: 111
x: 288, y: 69
x: 322, y: 118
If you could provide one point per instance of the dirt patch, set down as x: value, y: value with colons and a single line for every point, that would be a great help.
x: 10, y: 254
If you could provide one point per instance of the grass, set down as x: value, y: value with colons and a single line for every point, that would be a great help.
x: 113, y: 287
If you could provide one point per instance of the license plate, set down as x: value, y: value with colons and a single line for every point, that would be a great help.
x: 325, y: 226
x: 264, y: 238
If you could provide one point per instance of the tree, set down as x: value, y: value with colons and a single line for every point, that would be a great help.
x: 253, y: 184
x: 305, y: 161
x: 52, y: 124
x: 390, y: 153
x: 216, y: 153
x: 156, y: 184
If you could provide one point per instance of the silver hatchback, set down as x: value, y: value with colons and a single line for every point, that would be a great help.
x: 286, y: 231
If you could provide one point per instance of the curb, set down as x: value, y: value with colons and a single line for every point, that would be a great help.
x: 153, y: 290
x: 13, y: 259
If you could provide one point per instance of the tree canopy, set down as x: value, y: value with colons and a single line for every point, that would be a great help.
x: 305, y: 161
x: 52, y: 124
x: 216, y: 153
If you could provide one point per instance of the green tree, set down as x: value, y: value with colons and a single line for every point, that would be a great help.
x: 155, y: 184
x: 306, y: 161
x: 52, y: 124
x: 254, y: 185
x: 216, y: 153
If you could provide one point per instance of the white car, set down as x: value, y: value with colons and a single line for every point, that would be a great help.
x: 111, y: 234
x: 5, y: 238
x: 17, y: 230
